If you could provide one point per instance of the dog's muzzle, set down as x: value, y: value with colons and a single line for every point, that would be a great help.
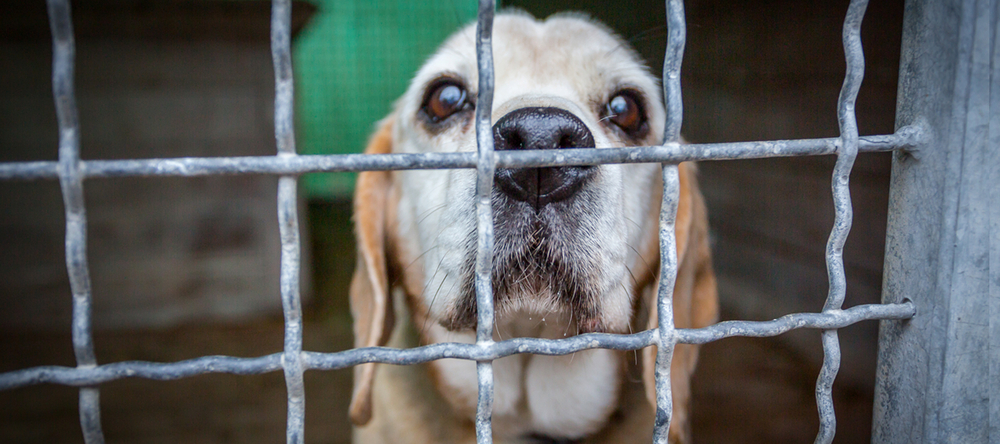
x: 539, y: 128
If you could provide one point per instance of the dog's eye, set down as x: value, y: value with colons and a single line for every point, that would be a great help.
x: 444, y: 100
x: 624, y: 110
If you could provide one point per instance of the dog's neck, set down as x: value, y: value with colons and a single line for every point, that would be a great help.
x: 562, y: 398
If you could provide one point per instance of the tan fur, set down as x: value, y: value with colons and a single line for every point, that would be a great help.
x: 414, y: 404
x: 694, y: 299
x: 370, y: 285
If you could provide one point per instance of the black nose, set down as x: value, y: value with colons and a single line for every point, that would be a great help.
x: 541, y: 129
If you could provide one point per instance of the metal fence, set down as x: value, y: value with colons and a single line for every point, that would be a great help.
x: 911, y: 137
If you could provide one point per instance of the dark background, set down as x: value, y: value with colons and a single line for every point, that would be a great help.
x: 186, y: 267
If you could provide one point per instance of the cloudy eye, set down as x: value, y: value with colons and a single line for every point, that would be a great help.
x: 625, y: 111
x: 445, y: 99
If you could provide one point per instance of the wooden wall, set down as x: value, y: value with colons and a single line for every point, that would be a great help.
x: 153, y: 79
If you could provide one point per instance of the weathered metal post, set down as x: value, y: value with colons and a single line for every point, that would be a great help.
x: 937, y: 373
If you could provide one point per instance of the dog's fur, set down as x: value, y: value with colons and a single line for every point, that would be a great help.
x: 584, y: 264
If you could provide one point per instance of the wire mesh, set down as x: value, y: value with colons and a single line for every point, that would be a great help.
x: 293, y: 361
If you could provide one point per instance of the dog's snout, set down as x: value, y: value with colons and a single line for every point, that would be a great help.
x: 539, y: 128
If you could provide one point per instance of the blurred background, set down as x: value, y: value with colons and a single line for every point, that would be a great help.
x: 186, y: 267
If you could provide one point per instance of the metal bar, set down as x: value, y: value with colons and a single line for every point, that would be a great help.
x: 905, y: 138
x: 667, y: 337
x: 36, y: 170
x: 78, y: 377
x: 828, y: 319
x: 288, y: 223
x: 485, y: 167
x: 993, y: 202
x: 291, y: 358
x: 844, y: 214
x: 71, y: 182
x: 676, y: 35
x: 159, y: 371
x: 936, y: 372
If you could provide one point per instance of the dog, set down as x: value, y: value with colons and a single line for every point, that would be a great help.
x: 575, y: 249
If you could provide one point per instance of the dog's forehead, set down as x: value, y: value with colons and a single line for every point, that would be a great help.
x: 564, y: 55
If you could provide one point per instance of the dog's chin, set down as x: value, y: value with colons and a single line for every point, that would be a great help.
x: 544, y: 265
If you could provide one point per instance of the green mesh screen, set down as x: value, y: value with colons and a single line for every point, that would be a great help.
x: 351, y: 62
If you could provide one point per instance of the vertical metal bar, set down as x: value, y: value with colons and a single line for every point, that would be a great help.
x: 664, y: 304
x: 934, y: 376
x: 288, y: 222
x: 676, y: 35
x: 71, y: 181
x: 994, y: 230
x: 485, y: 167
x: 844, y: 214
x: 676, y: 39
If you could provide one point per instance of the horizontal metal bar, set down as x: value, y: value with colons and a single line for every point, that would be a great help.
x: 904, y: 139
x: 85, y: 376
x: 827, y: 320
x: 478, y: 352
x: 42, y: 169
x: 831, y: 319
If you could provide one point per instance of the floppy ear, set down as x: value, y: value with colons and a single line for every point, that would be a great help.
x: 695, y: 295
x: 370, y: 298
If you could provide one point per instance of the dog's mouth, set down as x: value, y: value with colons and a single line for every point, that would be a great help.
x: 542, y: 186
x: 542, y: 264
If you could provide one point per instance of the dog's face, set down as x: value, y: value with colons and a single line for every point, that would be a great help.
x: 567, y: 240
x: 575, y: 248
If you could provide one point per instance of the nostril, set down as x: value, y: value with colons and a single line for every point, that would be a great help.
x: 517, y: 141
x: 566, y: 142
